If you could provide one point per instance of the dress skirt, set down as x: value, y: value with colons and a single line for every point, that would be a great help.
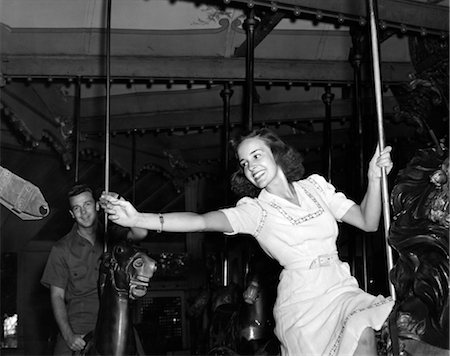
x: 322, y: 311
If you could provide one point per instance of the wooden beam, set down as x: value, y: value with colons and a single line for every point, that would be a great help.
x: 192, y: 68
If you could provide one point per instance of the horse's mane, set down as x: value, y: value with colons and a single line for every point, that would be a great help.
x: 419, y: 233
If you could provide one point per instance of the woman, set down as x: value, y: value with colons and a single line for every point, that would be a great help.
x: 320, y: 309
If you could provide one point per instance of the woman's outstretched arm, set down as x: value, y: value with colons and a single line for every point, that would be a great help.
x: 123, y: 213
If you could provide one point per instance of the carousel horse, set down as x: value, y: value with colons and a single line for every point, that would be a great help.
x: 242, y: 322
x: 418, y: 324
x: 256, y: 319
x: 125, y: 272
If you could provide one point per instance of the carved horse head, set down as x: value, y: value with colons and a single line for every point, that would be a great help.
x: 125, y: 274
x: 128, y: 270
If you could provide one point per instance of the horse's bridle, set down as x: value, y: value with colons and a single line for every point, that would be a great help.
x: 136, y: 283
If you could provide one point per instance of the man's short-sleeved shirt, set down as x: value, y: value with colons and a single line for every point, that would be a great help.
x: 73, y: 265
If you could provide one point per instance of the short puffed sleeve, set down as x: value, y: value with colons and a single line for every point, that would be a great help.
x: 56, y: 271
x: 337, y: 202
x: 245, y: 217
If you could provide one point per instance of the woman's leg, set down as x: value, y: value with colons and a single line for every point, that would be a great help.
x: 367, y: 344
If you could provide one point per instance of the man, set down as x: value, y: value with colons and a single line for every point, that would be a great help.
x: 72, y: 270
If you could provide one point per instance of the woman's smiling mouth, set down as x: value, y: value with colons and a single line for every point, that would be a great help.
x: 258, y: 175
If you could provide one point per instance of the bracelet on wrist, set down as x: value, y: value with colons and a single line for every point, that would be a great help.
x: 161, y: 222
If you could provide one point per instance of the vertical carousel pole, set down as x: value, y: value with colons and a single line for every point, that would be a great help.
x: 250, y: 24
x: 356, y: 59
x: 107, y: 116
x: 133, y: 164
x: 249, y: 67
x: 327, y: 99
x: 226, y: 94
x: 77, y: 128
x: 379, y: 111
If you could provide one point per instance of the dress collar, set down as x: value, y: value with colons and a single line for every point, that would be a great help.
x: 268, y: 197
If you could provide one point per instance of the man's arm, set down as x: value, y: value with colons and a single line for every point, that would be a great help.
x: 74, y: 341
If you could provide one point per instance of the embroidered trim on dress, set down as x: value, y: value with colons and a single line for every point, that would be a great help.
x: 296, y: 221
x: 316, y: 185
x: 261, y: 221
x: 337, y: 343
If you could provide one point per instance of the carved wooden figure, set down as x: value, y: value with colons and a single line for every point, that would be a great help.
x: 420, y: 234
x: 125, y: 274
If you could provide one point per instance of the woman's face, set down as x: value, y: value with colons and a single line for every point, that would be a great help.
x: 257, y: 161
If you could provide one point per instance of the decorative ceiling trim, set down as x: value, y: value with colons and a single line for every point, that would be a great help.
x: 400, y: 14
x: 207, y: 70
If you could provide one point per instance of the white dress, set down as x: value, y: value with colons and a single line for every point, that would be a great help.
x: 319, y: 310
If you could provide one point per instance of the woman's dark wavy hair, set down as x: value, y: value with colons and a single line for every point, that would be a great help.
x: 286, y: 156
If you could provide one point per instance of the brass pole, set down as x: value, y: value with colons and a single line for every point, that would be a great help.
x: 381, y: 140
x: 356, y: 59
x: 77, y: 128
x: 107, y: 116
x: 226, y: 94
x: 250, y: 24
x: 327, y: 99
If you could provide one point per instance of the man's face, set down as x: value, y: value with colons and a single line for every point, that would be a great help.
x: 83, y: 209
